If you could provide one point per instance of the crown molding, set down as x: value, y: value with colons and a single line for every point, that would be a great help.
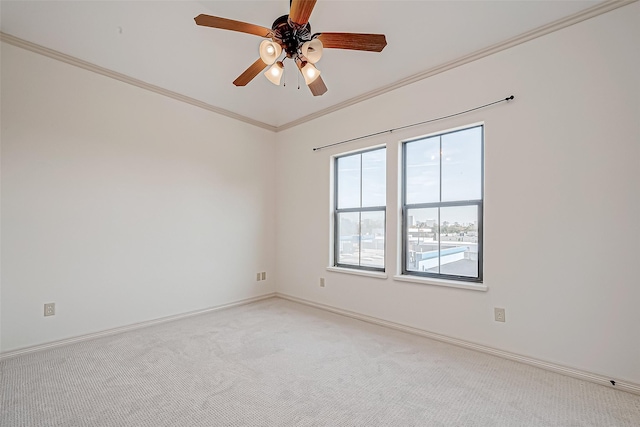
x: 589, y: 13
x: 71, y: 60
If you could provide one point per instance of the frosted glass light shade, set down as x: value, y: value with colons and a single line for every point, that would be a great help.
x: 310, y: 73
x: 269, y: 51
x: 274, y: 73
x: 312, y: 50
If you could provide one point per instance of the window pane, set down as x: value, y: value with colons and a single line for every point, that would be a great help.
x: 458, y: 241
x: 374, y: 178
x: 361, y: 183
x: 462, y: 165
x: 423, y: 171
x: 349, y: 238
x: 372, y: 239
x: 440, y: 239
x: 348, y: 182
x: 422, y: 239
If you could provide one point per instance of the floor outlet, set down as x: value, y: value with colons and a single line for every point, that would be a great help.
x: 499, y: 314
x: 50, y: 309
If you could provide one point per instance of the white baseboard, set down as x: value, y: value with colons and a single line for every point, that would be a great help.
x: 94, y: 335
x: 564, y: 370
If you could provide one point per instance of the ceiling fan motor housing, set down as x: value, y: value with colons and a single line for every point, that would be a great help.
x: 290, y: 36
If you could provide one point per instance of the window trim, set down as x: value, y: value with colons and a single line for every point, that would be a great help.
x: 359, y: 272
x: 439, y: 278
x: 336, y: 212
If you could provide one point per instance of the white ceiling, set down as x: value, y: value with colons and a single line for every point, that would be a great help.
x: 159, y: 43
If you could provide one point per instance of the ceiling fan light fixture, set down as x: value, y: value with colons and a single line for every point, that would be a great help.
x: 269, y: 51
x: 312, y: 50
x: 310, y: 73
x: 291, y: 34
x: 275, y: 72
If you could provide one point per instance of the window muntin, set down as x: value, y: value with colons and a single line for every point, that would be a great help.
x: 442, y: 205
x: 360, y: 210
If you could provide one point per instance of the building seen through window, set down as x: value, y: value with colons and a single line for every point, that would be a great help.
x: 360, y: 210
x: 442, y: 205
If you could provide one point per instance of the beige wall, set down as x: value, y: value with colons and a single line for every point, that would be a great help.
x: 121, y: 205
x: 562, y: 206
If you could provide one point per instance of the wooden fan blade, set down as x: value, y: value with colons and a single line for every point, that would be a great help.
x: 230, y: 24
x: 248, y: 74
x: 301, y: 11
x: 317, y: 87
x: 354, y: 41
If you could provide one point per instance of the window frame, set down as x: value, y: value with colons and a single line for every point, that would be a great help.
x: 337, y: 211
x: 404, y: 208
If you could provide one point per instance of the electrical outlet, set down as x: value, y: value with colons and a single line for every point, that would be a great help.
x: 264, y: 275
x: 322, y: 282
x: 499, y: 314
x: 257, y: 277
x: 50, y: 309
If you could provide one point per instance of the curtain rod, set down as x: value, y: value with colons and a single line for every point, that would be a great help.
x: 414, y: 124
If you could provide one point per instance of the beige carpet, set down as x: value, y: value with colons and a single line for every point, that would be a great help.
x: 278, y: 363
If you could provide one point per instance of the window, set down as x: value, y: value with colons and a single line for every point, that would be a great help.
x: 360, y: 210
x: 442, y: 195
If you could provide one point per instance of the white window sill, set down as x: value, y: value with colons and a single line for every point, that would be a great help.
x: 441, y: 282
x: 367, y: 273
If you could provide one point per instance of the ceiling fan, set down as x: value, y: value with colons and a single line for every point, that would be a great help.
x: 291, y: 34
